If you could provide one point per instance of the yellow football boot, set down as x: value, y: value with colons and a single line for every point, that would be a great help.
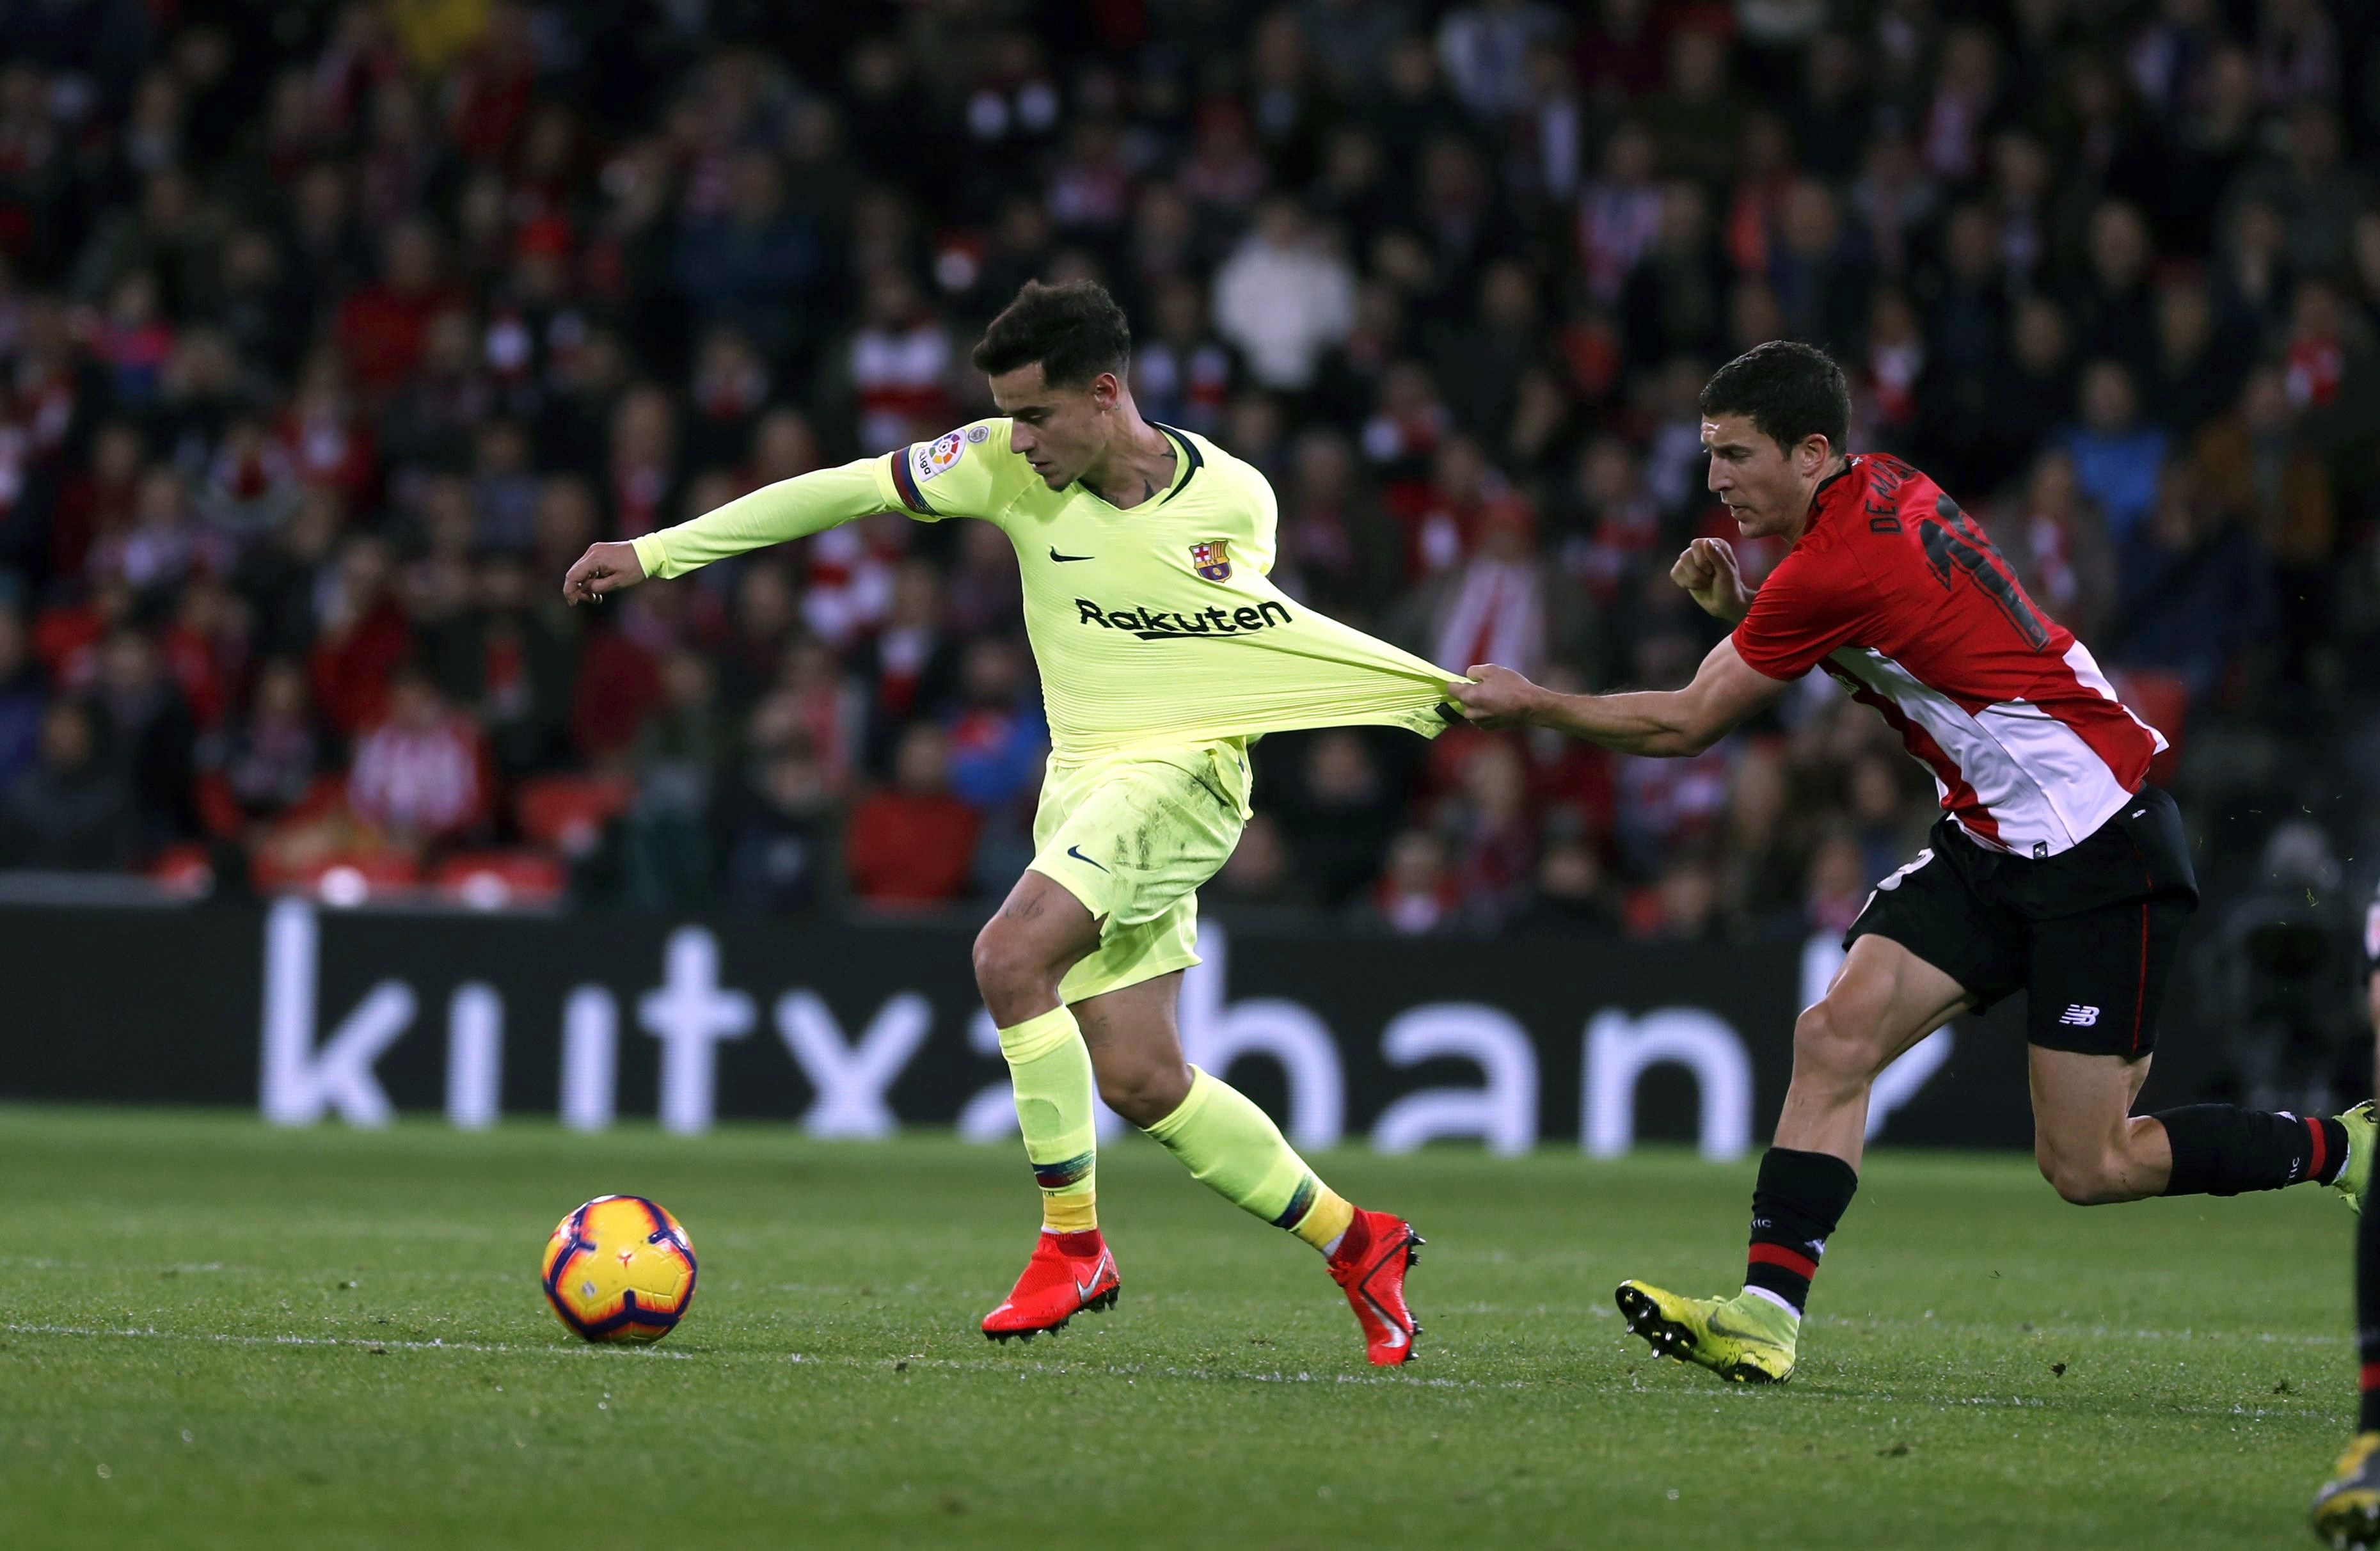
x: 2362, y: 1127
x: 1745, y: 1339
x: 2347, y: 1510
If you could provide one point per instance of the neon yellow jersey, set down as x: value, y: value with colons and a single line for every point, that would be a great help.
x: 1159, y: 624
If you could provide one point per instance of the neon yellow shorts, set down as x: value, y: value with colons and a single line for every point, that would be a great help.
x: 1132, y: 836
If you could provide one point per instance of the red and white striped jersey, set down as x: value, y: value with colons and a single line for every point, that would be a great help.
x: 1900, y: 595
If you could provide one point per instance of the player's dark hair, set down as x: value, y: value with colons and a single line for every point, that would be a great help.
x: 1076, y: 331
x: 1790, y: 390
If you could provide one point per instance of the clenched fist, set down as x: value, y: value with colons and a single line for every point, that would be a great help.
x: 1707, y: 571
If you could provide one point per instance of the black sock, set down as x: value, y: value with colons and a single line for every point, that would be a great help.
x: 1795, y: 1205
x: 2367, y: 1316
x: 2221, y: 1149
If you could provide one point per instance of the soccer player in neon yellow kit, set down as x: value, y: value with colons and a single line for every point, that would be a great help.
x: 1164, y: 650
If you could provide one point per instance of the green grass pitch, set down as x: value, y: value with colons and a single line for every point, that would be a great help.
x: 213, y: 1334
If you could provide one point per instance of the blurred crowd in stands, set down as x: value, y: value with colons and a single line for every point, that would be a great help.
x: 331, y: 333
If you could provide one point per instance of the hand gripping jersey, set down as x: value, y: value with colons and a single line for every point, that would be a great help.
x: 1900, y: 595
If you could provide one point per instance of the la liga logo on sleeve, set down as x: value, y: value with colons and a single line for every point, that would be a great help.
x: 1211, y: 561
x: 928, y: 460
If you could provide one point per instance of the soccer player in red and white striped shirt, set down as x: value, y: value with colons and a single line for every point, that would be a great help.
x: 2055, y: 867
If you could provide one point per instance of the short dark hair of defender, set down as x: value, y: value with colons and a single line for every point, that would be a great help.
x: 1076, y: 331
x: 1788, y: 391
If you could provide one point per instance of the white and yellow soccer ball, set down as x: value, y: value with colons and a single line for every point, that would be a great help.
x: 619, y: 1268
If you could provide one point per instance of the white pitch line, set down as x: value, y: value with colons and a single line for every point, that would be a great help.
x: 367, y: 1342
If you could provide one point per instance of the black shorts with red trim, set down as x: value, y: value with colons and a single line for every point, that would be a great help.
x: 2090, y: 935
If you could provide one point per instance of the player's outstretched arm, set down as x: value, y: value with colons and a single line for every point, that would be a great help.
x: 793, y: 508
x: 1726, y: 690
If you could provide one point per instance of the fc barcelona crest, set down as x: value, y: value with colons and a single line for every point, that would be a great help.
x: 1211, y: 560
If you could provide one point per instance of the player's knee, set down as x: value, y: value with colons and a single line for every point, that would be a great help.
x: 1006, y: 967
x: 1145, y: 1092
x: 1827, y: 1044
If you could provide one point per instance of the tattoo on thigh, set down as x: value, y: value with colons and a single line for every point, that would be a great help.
x: 1023, y: 910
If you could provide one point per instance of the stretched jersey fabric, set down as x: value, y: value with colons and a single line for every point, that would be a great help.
x: 1153, y: 624
x: 1900, y: 596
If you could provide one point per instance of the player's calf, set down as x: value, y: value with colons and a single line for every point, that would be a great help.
x: 2100, y: 1180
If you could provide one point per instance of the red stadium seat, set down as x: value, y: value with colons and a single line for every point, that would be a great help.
x: 185, y: 871
x: 495, y: 879
x: 343, y: 879
x: 568, y: 812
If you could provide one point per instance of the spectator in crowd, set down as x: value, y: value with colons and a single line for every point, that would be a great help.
x: 997, y: 736
x: 146, y: 735
x: 364, y: 637
x: 1258, y: 871
x: 2117, y: 456
x: 1418, y: 892
x: 70, y: 812
x: 1340, y: 550
x: 2195, y: 373
x: 676, y: 761
x: 1501, y: 605
x: 1340, y: 813
x: 911, y: 841
x: 911, y: 668
x: 2193, y: 599
x: 23, y: 698
x: 1682, y: 905
x: 1490, y: 829
x: 746, y: 264
x: 778, y: 819
x: 2054, y: 537
x: 1482, y: 45
x: 1837, y: 888
x: 1284, y: 297
x: 1762, y: 844
x: 420, y: 776
x: 270, y: 762
x: 1573, y: 898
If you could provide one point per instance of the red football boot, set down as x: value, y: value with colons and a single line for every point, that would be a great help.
x: 1069, y: 1272
x: 1370, y: 1265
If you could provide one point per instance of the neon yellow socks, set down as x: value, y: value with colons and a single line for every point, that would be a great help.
x: 1234, y: 1148
x: 1226, y: 1142
x: 1051, y: 1071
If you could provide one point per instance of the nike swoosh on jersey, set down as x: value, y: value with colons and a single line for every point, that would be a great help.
x: 1077, y: 853
x: 1064, y: 559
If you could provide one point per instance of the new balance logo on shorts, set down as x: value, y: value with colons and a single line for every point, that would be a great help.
x: 2079, y: 1017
